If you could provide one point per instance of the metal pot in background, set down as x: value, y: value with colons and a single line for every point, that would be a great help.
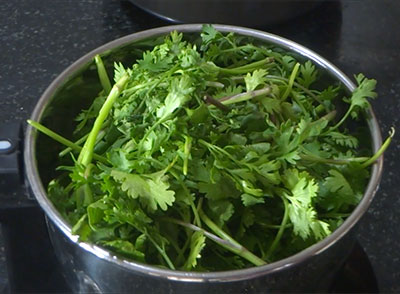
x: 251, y: 13
x: 89, y: 268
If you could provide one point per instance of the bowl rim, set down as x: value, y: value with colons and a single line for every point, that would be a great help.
x: 38, y: 190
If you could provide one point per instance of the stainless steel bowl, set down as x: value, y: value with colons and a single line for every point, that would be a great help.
x: 91, y: 268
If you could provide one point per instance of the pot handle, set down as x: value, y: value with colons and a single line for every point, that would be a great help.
x: 13, y: 188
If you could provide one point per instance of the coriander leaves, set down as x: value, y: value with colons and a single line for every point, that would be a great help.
x: 213, y: 154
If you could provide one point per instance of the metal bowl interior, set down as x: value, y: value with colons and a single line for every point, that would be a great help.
x: 57, y: 105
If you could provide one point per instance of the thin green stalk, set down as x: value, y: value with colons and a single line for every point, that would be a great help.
x: 209, y: 235
x: 245, y: 96
x: 69, y: 149
x: 246, y: 68
x: 381, y: 150
x: 333, y: 215
x: 315, y: 158
x: 180, y: 257
x: 188, y: 146
x: 342, y: 120
x: 237, y: 248
x: 281, y: 229
x: 234, y: 247
x: 101, y: 70
x: 62, y: 140
x: 214, y: 148
x: 161, y: 251
x: 211, y: 101
x: 85, y: 157
x: 148, y: 132
x: 268, y: 226
x: 297, y: 85
x: 81, y: 140
x: 251, y: 46
x: 152, y: 85
x: 291, y: 82
x: 329, y: 116
x: 189, y: 197
x: 215, y: 84
x: 75, y: 228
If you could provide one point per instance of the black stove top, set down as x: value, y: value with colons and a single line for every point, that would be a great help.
x: 39, y: 38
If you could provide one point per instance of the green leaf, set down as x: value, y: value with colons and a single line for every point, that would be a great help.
x: 246, y: 221
x: 329, y: 94
x: 151, y: 189
x: 288, y: 63
x: 290, y: 157
x: 302, y: 213
x: 337, y: 182
x: 95, y: 212
x: 249, y: 200
x: 126, y: 248
x: 222, y: 210
x: 231, y: 90
x: 255, y: 79
x: 178, y: 94
x: 271, y: 105
x: 342, y: 192
x: 224, y: 188
x: 197, y: 243
x: 154, y: 63
x: 119, y: 71
x: 308, y: 74
x: 359, y: 98
x: 209, y: 33
x: 343, y: 139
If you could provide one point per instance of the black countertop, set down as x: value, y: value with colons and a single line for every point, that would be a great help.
x: 39, y: 38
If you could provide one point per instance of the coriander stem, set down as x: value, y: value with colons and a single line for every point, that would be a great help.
x: 255, y: 48
x: 189, y: 197
x: 342, y: 120
x: 182, y: 251
x: 305, y: 90
x: 75, y: 228
x: 160, y: 250
x: 85, y: 157
x: 281, y: 229
x: 209, y: 235
x: 333, y: 215
x: 210, y: 100
x: 188, y: 146
x: 329, y: 116
x: 382, y: 149
x: 227, y: 244
x: 215, y: 84
x: 80, y: 141
x: 268, y: 226
x: 101, y: 70
x: 61, y: 139
x: 315, y: 158
x: 241, y: 250
x: 69, y: 149
x: 244, y: 96
x: 246, y: 68
x: 291, y: 82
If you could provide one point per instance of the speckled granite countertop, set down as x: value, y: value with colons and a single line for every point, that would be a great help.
x: 39, y: 38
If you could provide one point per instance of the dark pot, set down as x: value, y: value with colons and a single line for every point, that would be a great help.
x: 89, y: 268
x: 252, y: 13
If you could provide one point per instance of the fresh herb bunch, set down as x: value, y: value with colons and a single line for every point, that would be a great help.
x: 215, y: 155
